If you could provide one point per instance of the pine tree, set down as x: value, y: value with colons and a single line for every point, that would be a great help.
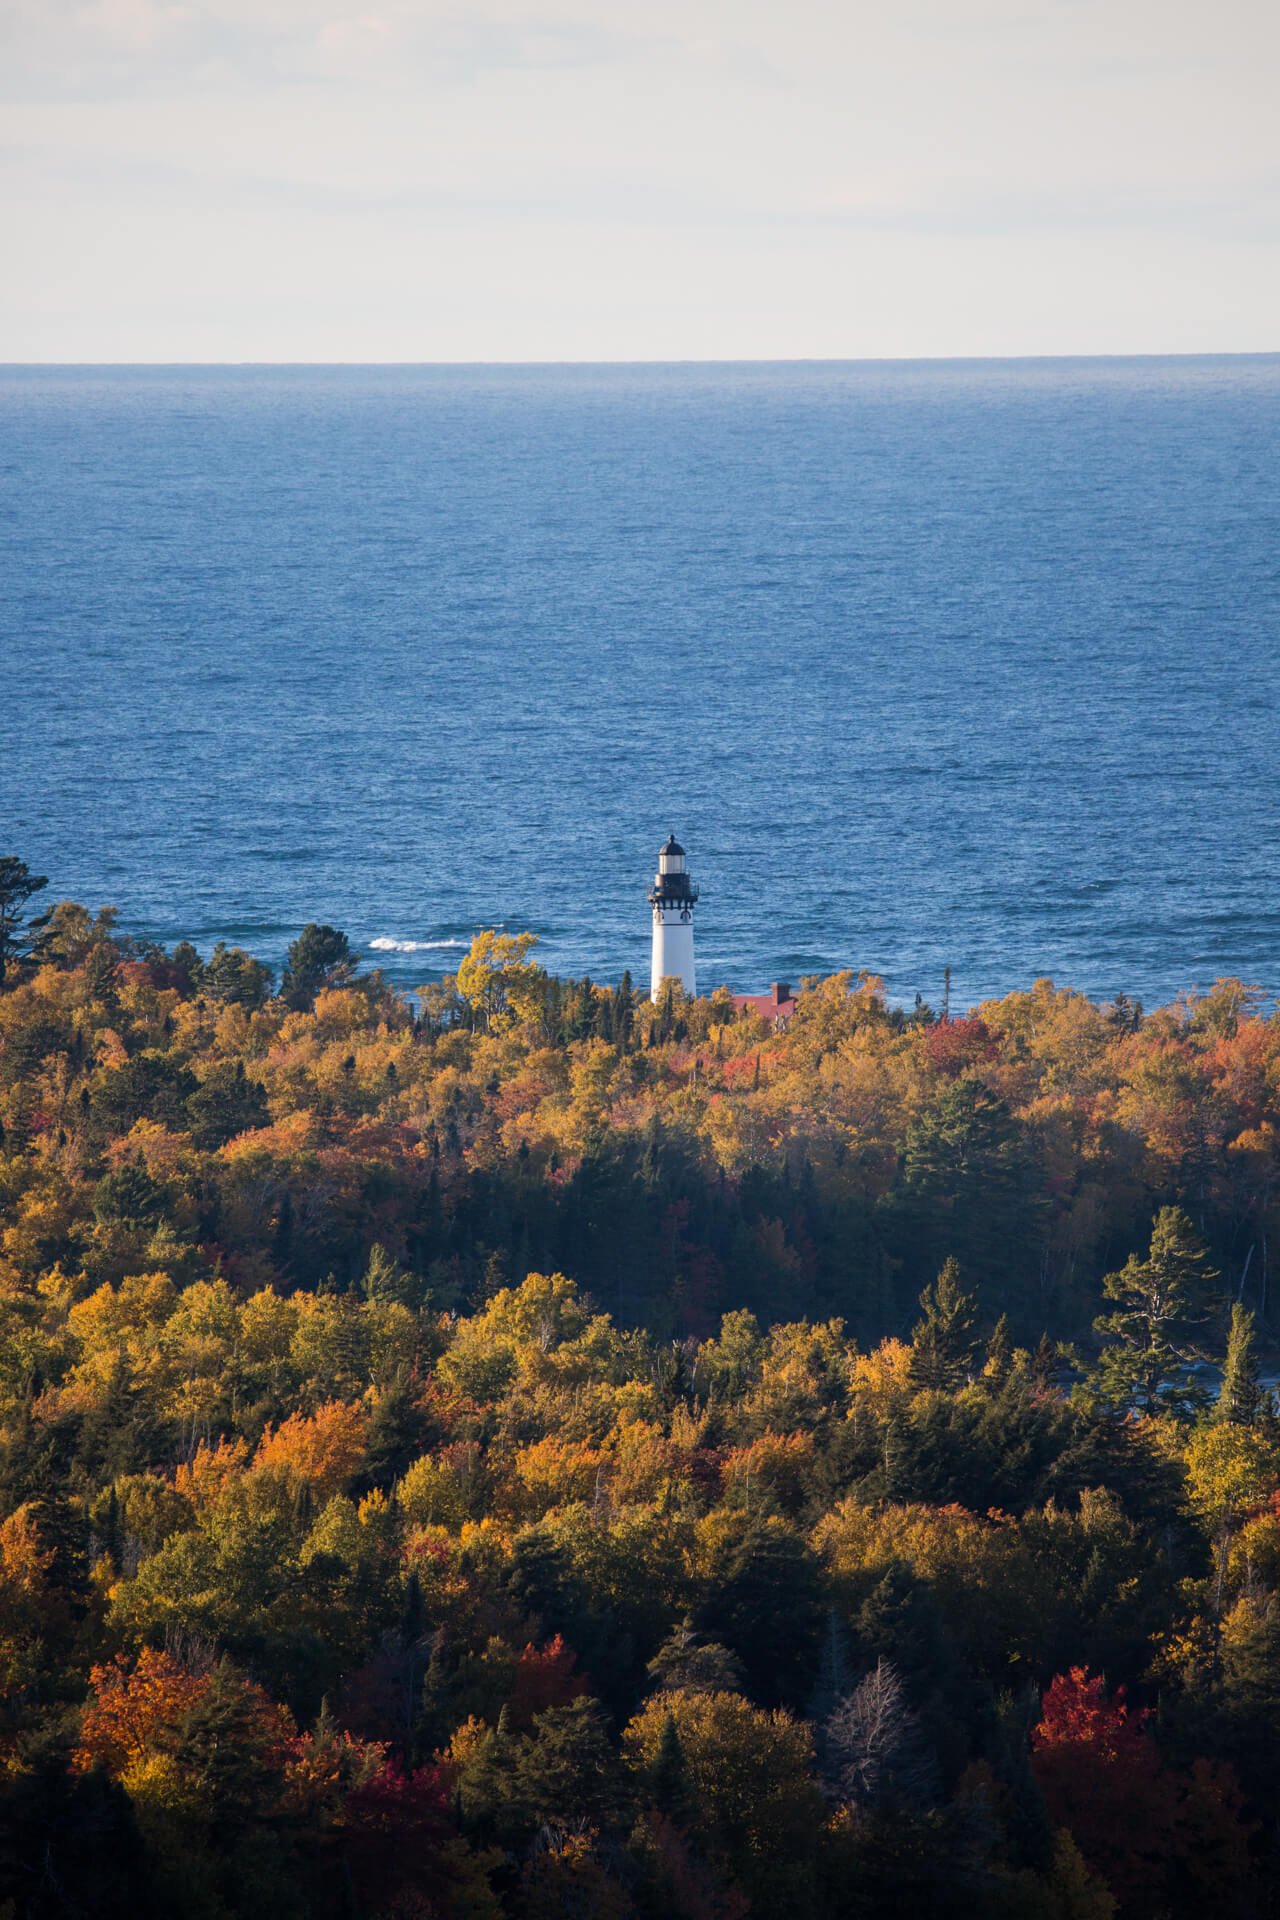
x: 320, y: 957
x: 382, y: 1279
x: 496, y: 1277
x: 943, y: 1346
x: 1044, y: 1363
x: 999, y: 1355
x: 1240, y: 1400
x: 17, y: 884
x: 624, y: 1012
x: 413, y: 1613
x: 110, y: 1532
x: 1150, y: 1340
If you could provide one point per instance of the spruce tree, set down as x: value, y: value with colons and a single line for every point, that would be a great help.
x: 110, y: 1531
x: 1240, y: 1400
x: 381, y: 1279
x: 624, y: 1012
x: 999, y: 1355
x: 1044, y: 1363
x: 496, y: 1277
x: 943, y: 1346
x: 413, y: 1613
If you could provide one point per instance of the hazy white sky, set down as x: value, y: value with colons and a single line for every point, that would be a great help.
x: 585, y: 179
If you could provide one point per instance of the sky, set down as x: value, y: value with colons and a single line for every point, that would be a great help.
x: 415, y: 180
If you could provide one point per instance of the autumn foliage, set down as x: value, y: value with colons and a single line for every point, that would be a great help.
x: 1139, y: 1823
x: 132, y: 1707
x: 525, y: 1451
x: 323, y: 1449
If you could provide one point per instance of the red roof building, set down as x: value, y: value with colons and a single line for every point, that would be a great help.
x: 777, y: 1005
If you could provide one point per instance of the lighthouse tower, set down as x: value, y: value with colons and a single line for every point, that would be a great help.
x: 672, y: 896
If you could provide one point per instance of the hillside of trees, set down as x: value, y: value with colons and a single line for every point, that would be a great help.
x: 518, y: 1451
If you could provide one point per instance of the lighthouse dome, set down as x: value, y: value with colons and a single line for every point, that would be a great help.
x: 672, y: 846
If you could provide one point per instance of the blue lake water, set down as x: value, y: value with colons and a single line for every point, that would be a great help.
x: 971, y: 664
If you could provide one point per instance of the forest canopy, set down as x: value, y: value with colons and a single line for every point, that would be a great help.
x: 520, y: 1450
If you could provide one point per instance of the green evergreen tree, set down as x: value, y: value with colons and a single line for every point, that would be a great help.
x: 413, y: 1613
x: 567, y: 1770
x: 432, y: 1724
x: 381, y: 1279
x: 624, y: 1012
x: 1240, y: 1400
x: 1044, y: 1363
x: 396, y: 1433
x: 226, y: 1746
x: 128, y: 1194
x: 234, y: 976
x: 1250, y: 1655
x: 943, y: 1344
x: 778, y: 1645
x: 687, y: 1663
x: 102, y: 973
x: 999, y: 1355
x: 17, y: 884
x: 225, y: 1104
x: 189, y: 967
x: 282, y: 1235
x: 966, y: 1186
x: 320, y: 957
x: 496, y: 1277
x: 1149, y: 1341
x: 110, y: 1532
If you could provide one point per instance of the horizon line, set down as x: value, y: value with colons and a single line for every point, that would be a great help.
x: 706, y: 360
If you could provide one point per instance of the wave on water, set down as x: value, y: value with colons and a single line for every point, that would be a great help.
x: 385, y: 944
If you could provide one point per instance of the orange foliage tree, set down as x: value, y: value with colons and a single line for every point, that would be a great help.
x: 131, y: 1705
x: 324, y: 1448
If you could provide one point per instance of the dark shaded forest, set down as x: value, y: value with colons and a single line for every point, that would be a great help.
x: 520, y: 1450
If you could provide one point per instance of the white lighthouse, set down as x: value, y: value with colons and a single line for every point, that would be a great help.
x: 672, y: 896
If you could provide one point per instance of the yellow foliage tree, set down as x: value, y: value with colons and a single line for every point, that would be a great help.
x: 498, y: 980
x: 755, y: 1802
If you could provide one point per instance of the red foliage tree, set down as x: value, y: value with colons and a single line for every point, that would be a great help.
x: 544, y: 1678
x: 397, y: 1837
x: 1101, y: 1778
x: 370, y: 1836
x: 1076, y: 1709
x: 953, y: 1046
x: 1139, y: 1825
